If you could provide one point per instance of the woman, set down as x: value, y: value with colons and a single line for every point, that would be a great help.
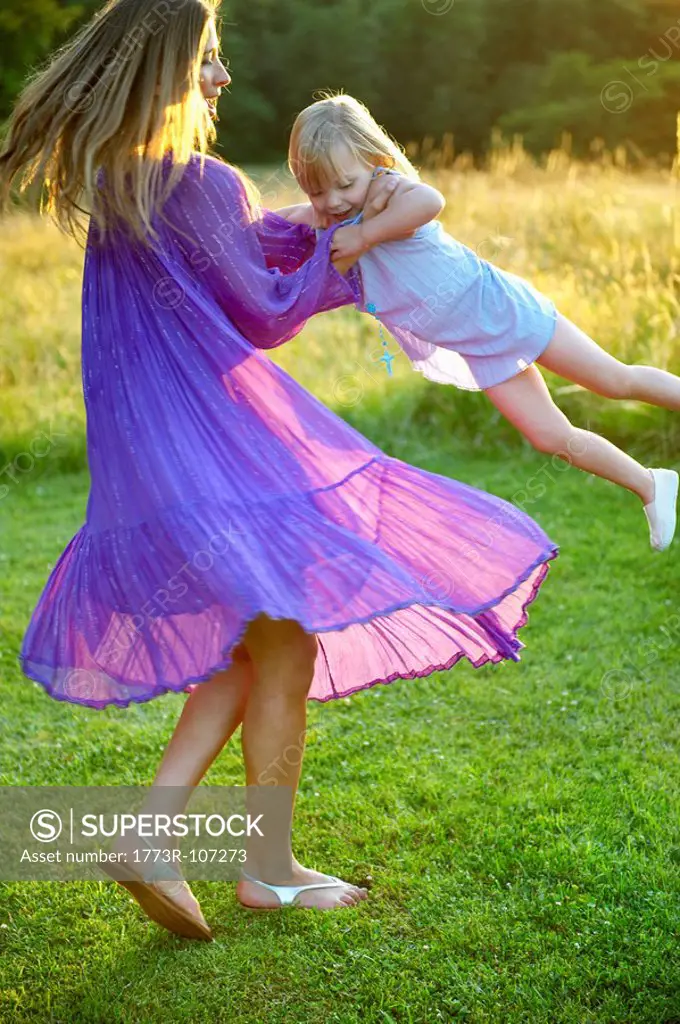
x: 325, y: 566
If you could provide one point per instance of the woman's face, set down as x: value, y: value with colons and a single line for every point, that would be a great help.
x: 213, y: 75
x: 345, y: 196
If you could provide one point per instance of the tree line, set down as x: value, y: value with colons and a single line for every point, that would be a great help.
x: 596, y: 68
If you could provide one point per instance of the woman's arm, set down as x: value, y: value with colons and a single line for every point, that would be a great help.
x: 342, y: 264
x: 225, y: 259
x: 301, y: 213
x: 285, y: 245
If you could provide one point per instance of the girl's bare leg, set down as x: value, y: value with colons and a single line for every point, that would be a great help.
x: 273, y: 738
x: 526, y: 402
x: 575, y: 356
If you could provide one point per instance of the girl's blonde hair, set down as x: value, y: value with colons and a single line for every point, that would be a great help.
x: 339, y: 117
x: 118, y: 96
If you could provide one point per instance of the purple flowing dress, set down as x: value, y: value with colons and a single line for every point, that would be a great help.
x: 221, y: 488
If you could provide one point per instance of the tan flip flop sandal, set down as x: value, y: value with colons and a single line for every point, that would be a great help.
x: 156, y: 903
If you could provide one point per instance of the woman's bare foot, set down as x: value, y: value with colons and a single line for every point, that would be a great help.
x: 333, y: 897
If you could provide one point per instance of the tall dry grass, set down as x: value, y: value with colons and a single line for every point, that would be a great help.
x: 602, y: 239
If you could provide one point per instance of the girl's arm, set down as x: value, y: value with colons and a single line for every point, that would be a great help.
x: 412, y: 205
x: 303, y: 213
x: 379, y: 195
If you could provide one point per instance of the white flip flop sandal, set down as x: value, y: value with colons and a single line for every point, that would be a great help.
x: 288, y: 893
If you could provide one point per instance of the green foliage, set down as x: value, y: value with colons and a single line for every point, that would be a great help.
x: 612, y: 101
x: 424, y: 67
x: 29, y: 29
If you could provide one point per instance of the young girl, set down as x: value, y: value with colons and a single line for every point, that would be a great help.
x: 460, y: 319
x: 241, y: 542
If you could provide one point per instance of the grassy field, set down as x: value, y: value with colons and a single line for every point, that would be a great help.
x: 601, y: 241
x: 518, y: 824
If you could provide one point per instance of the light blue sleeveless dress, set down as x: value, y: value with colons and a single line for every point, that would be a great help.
x: 459, y: 319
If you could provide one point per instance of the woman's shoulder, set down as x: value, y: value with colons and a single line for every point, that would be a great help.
x: 210, y: 184
x: 214, y: 166
x: 208, y: 166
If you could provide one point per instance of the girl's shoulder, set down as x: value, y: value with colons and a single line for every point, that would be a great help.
x: 403, y: 178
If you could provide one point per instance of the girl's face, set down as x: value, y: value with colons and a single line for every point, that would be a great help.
x: 345, y: 196
x: 213, y: 74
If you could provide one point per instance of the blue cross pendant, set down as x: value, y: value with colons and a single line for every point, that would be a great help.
x: 385, y: 358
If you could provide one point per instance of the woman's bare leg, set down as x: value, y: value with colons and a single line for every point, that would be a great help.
x: 273, y: 738
x: 210, y: 715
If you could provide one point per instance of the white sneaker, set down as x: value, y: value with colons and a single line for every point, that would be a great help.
x: 661, y: 513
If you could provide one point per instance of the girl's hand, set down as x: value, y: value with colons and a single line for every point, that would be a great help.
x: 379, y: 192
x: 347, y: 242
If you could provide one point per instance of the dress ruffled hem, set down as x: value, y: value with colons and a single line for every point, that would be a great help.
x: 34, y: 671
x: 365, y: 564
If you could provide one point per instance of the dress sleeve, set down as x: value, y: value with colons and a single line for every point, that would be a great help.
x: 286, y: 246
x: 227, y: 256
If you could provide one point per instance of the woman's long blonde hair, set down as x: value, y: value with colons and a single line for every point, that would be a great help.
x: 339, y: 117
x: 118, y: 96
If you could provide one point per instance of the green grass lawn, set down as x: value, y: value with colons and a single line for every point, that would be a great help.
x: 517, y: 824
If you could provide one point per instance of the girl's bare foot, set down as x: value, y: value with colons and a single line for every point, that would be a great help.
x: 253, y: 894
x: 649, y: 492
